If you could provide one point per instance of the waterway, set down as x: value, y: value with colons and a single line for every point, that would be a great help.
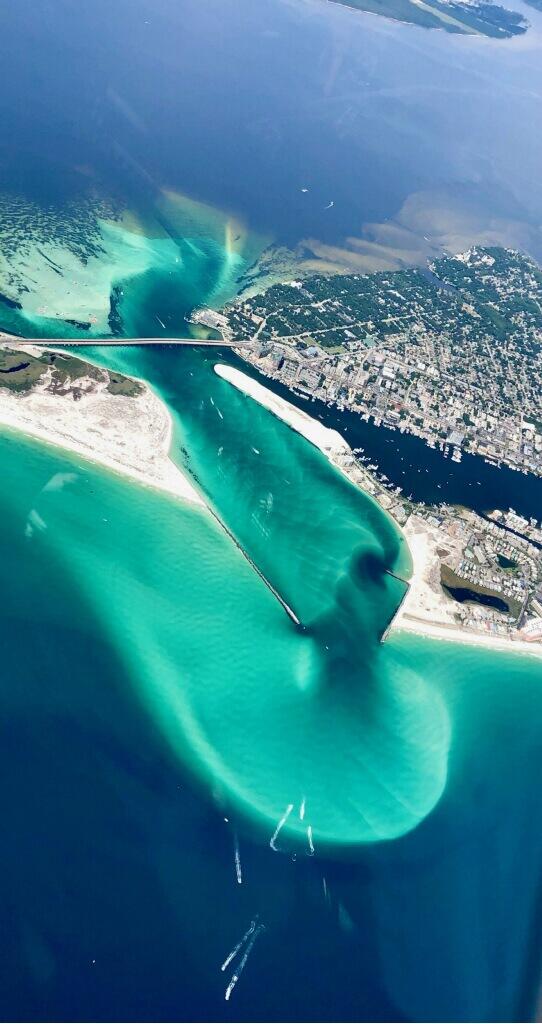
x: 464, y: 594
x: 162, y: 713
x: 422, y: 472
x: 169, y: 735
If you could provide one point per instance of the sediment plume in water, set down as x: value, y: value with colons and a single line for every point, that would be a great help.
x: 271, y: 715
x: 266, y: 714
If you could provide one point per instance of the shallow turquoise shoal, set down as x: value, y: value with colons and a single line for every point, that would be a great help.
x: 344, y: 735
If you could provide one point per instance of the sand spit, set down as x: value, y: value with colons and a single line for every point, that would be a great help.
x: 129, y: 435
x: 329, y: 441
x: 426, y: 609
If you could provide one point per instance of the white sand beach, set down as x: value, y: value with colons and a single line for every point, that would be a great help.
x: 426, y: 600
x: 129, y: 435
x: 427, y: 610
x: 329, y: 441
x: 440, y: 631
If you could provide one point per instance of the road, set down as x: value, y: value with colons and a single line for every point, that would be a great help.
x: 215, y: 343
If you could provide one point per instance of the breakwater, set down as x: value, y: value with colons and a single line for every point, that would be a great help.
x: 289, y: 611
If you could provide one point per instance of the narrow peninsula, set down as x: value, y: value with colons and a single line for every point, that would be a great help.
x: 427, y: 608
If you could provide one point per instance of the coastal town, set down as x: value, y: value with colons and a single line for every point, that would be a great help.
x: 450, y: 354
x: 481, y: 574
x: 475, y: 578
x: 453, y: 358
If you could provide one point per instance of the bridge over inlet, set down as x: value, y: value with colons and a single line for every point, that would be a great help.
x: 207, y: 342
x: 111, y: 342
x: 215, y: 343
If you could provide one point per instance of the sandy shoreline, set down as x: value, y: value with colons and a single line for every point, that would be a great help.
x: 455, y: 634
x: 329, y: 441
x: 129, y: 435
x: 132, y: 437
x: 426, y: 610
x: 426, y: 600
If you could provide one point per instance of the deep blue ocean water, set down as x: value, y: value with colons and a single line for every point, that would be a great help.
x: 119, y: 891
x: 243, y: 104
x: 119, y: 883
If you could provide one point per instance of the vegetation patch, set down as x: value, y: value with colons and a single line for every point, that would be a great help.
x: 480, y: 18
x: 21, y: 373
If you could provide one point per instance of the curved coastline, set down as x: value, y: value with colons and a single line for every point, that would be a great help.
x: 133, y: 436
x: 411, y: 616
x: 330, y: 442
x: 288, y: 723
x: 129, y: 435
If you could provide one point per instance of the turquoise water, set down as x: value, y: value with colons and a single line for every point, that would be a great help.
x: 153, y: 687
x: 86, y: 270
x: 160, y: 711
x: 166, y: 717
x: 322, y: 717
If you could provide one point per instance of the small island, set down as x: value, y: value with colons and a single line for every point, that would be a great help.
x: 478, y: 18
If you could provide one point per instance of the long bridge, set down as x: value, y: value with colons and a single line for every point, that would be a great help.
x: 208, y: 342
x: 112, y: 342
x: 216, y: 343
